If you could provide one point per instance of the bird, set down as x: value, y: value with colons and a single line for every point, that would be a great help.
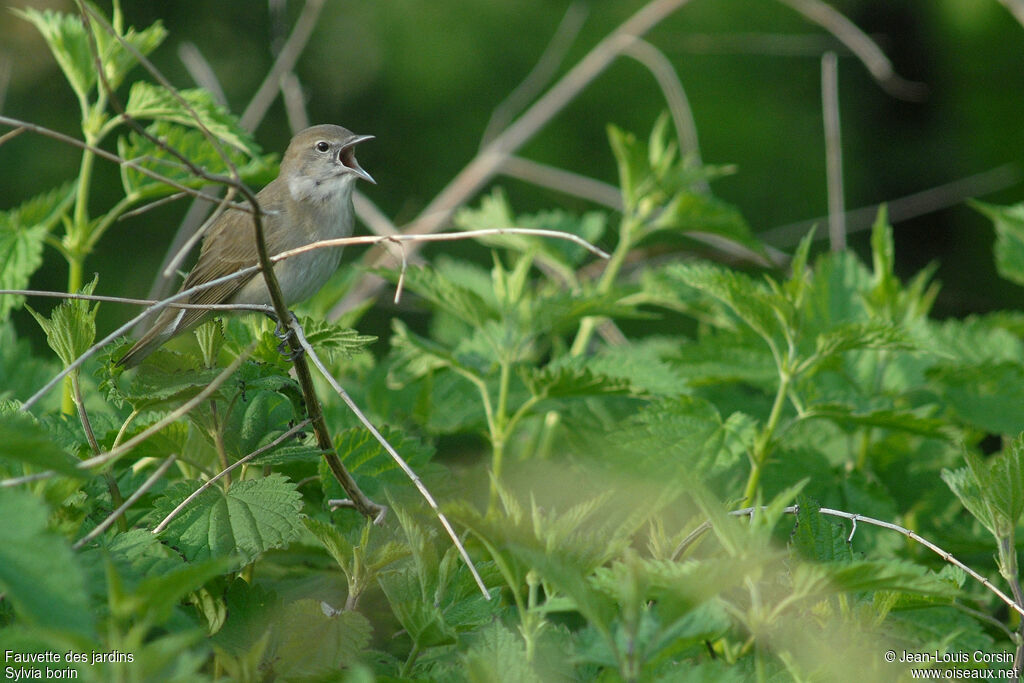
x: 309, y: 200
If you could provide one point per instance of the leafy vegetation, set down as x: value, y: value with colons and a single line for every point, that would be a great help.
x: 620, y: 412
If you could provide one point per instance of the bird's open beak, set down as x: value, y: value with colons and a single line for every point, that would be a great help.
x: 348, y: 158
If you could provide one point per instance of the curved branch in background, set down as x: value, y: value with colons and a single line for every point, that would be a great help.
x: 860, y: 44
x: 542, y: 72
x: 675, y: 95
x: 488, y: 162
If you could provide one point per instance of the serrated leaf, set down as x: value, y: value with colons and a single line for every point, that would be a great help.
x: 71, y: 328
x: 65, y: 35
x: 691, y: 212
x: 875, y: 335
x: 117, y: 60
x: 498, y: 654
x: 447, y: 295
x: 311, y: 638
x: 23, y: 440
x: 896, y: 420
x: 753, y: 303
x: 365, y: 458
x: 153, y: 102
x: 989, y: 396
x: 253, y: 516
x: 23, y: 232
x: 252, y: 168
x: 39, y: 575
x: 816, y: 538
x: 1009, y: 247
x: 335, y: 339
x: 571, y: 381
x: 964, y: 484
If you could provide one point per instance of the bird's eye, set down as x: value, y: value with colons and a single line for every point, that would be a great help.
x: 322, y: 146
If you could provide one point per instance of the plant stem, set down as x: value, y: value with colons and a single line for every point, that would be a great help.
x: 499, y: 431
x: 604, y: 284
x: 763, y: 444
x: 410, y: 660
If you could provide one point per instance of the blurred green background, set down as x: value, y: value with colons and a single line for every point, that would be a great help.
x: 425, y: 75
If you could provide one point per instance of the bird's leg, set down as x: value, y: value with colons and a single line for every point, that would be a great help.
x: 285, y: 333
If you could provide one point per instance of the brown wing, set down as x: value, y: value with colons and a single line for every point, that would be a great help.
x: 232, y: 241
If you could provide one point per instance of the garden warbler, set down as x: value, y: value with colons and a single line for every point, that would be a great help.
x: 310, y: 200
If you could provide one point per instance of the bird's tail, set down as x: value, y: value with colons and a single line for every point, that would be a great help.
x: 166, y: 327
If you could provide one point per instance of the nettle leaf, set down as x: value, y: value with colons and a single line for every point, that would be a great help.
x: 166, y: 380
x: 692, y: 212
x: 312, y: 638
x: 336, y: 340
x: 992, y: 491
x: 750, y: 300
x: 874, y: 335
x: 1009, y: 247
x: 446, y: 294
x: 117, y: 60
x: 965, y: 483
x: 816, y: 538
x: 989, y: 396
x: 641, y: 365
x: 71, y: 328
x: 498, y: 654
x: 24, y: 440
x: 680, y: 435
x: 39, y: 574
x: 365, y: 458
x: 561, y: 255
x: 893, y: 419
x: 631, y: 159
x: 65, y: 35
x: 193, y: 144
x: 23, y: 232
x: 571, y: 380
x: 252, y: 516
x: 154, y: 102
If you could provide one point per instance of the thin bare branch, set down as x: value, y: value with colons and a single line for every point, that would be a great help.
x: 110, y: 156
x: 116, y: 514
x: 910, y: 206
x: 256, y: 308
x: 492, y: 157
x: 294, y: 102
x: 854, y: 518
x: 409, y: 472
x: 201, y: 71
x: 565, y: 35
x: 284, y: 63
x: 561, y: 180
x: 833, y: 151
x: 180, y: 411
x: 675, y: 95
x: 223, y: 473
x: 153, y: 310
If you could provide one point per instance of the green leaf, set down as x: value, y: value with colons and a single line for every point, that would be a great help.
x: 989, y: 396
x: 447, y: 295
x: 336, y: 340
x: 896, y: 420
x: 39, y: 574
x: 365, y: 458
x: 23, y: 232
x: 875, y: 335
x: 1009, y: 247
x: 67, y: 39
x: 692, y: 212
x: 497, y: 654
x: 191, y: 143
x: 751, y: 301
x: 117, y: 60
x: 311, y: 638
x: 153, y: 102
x: 571, y: 381
x: 23, y: 440
x: 965, y: 484
x: 816, y: 538
x: 71, y: 327
x: 251, y: 517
